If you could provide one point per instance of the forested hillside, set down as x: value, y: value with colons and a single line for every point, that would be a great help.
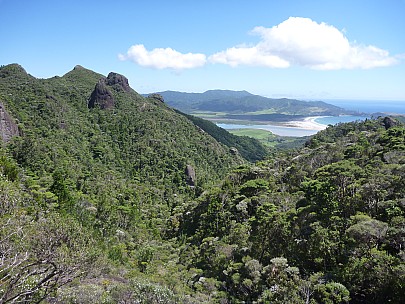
x: 325, y: 225
x: 237, y: 102
x: 84, y: 120
x: 110, y: 197
x: 87, y: 150
x: 250, y: 148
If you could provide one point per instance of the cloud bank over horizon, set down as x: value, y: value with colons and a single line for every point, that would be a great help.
x: 296, y: 41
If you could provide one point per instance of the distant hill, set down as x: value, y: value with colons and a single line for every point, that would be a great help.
x: 238, y: 102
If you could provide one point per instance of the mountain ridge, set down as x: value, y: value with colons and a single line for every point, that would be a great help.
x: 233, y: 102
x: 135, y: 203
x: 142, y: 132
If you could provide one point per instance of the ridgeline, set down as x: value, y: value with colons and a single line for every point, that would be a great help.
x: 111, y: 197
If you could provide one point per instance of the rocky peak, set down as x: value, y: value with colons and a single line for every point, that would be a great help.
x: 78, y: 67
x: 118, y: 80
x: 101, y: 96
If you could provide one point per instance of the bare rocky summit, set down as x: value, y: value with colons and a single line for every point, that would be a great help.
x: 101, y: 96
x: 118, y: 81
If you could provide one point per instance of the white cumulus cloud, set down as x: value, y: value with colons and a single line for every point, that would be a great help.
x: 248, y: 56
x: 163, y: 58
x: 304, y: 42
x: 296, y: 41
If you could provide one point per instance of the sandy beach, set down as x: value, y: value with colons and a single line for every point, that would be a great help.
x: 308, y: 123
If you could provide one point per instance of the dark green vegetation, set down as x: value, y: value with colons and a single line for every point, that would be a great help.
x: 96, y: 156
x: 400, y: 118
x: 238, y: 102
x: 96, y: 206
x: 319, y: 226
x: 249, y: 147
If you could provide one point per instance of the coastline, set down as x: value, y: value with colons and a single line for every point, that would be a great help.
x: 297, y: 128
x: 308, y: 123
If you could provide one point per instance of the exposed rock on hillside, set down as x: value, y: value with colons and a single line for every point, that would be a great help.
x: 78, y: 67
x: 8, y: 128
x: 389, y: 122
x: 234, y: 151
x: 190, y: 175
x: 157, y: 97
x: 118, y: 80
x: 101, y: 96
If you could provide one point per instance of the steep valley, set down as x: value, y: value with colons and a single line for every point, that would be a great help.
x: 107, y: 196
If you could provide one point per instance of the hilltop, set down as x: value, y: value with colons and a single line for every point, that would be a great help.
x: 106, y: 122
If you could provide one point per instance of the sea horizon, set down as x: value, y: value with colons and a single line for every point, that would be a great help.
x: 369, y: 106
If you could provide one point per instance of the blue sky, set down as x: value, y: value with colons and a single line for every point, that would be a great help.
x: 348, y: 49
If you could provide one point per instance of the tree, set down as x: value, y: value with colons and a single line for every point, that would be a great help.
x: 61, y: 190
x: 283, y: 283
x: 38, y: 258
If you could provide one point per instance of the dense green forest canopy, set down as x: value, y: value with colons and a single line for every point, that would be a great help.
x: 110, y: 197
x: 91, y: 148
x: 324, y: 225
x: 250, y: 148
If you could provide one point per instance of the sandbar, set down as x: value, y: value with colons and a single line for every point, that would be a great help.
x: 308, y: 123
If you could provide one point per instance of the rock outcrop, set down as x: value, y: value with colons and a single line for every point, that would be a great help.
x: 118, y: 81
x: 389, y: 122
x: 190, y: 175
x: 8, y: 128
x: 157, y: 97
x: 101, y: 96
x: 234, y: 151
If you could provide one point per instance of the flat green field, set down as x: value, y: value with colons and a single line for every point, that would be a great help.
x: 269, y: 139
x: 265, y: 137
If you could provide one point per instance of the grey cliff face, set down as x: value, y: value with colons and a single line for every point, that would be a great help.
x: 118, y: 81
x: 8, y: 128
x: 101, y: 96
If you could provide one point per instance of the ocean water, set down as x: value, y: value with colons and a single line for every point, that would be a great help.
x: 333, y: 120
x: 370, y: 106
